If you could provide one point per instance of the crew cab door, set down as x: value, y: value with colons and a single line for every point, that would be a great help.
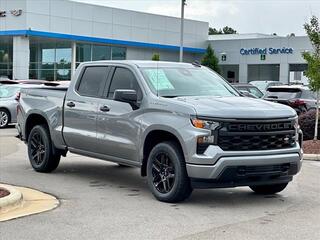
x: 81, y: 109
x: 117, y: 125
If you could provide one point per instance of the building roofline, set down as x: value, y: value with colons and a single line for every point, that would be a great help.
x: 247, y: 36
x: 153, y: 14
x: 79, y: 38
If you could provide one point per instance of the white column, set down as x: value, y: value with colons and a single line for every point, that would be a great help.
x: 73, y: 58
x: 21, y: 57
x: 243, y: 73
x: 284, y: 73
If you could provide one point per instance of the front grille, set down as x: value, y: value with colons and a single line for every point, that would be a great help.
x: 258, y: 138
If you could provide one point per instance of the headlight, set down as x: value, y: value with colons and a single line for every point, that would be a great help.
x: 204, y: 124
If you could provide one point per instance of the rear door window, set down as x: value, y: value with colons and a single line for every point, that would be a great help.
x: 93, y: 81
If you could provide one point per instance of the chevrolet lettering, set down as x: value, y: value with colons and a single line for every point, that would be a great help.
x: 261, y: 127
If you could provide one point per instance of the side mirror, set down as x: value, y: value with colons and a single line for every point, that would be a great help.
x: 127, y: 96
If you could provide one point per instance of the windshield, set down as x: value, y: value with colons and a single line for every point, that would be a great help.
x: 262, y: 85
x: 176, y: 82
x: 8, y: 91
x: 255, y: 91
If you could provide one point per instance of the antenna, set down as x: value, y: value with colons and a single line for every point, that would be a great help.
x: 196, y: 63
x: 157, y: 79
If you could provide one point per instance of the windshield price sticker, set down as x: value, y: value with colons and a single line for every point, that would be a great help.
x: 159, y: 79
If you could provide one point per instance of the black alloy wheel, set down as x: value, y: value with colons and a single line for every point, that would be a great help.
x: 43, y: 156
x: 38, y: 149
x: 163, y: 172
x: 167, y: 174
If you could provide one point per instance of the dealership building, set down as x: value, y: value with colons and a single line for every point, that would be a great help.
x: 48, y: 39
x: 251, y: 57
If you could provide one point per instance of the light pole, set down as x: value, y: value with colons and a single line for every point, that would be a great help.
x: 183, y: 3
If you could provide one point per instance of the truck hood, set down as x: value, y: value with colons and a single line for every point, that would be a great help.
x: 238, y: 108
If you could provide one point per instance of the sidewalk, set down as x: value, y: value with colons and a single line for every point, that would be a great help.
x: 311, y: 157
x: 24, y: 202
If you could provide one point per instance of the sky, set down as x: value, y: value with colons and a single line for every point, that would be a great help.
x: 246, y: 16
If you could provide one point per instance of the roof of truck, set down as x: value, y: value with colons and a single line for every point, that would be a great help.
x: 143, y: 63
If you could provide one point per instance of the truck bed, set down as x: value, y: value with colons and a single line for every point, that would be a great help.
x: 49, y: 102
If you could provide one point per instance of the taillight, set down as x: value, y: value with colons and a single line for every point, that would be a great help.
x: 297, y: 103
x: 17, y: 98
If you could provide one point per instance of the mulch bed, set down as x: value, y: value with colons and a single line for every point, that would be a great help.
x: 3, y: 193
x: 311, y: 147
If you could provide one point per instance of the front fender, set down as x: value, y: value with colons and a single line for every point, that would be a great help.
x: 178, y: 125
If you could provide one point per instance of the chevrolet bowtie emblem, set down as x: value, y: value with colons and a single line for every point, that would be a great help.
x: 16, y: 12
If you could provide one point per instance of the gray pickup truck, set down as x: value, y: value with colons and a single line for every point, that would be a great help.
x: 182, y: 124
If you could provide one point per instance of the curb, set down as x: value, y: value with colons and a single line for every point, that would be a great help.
x: 12, y: 201
x: 311, y: 157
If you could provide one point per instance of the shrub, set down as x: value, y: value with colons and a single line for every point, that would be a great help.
x: 307, y: 124
x: 211, y: 60
x: 156, y: 57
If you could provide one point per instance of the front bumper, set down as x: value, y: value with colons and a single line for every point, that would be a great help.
x: 230, y: 169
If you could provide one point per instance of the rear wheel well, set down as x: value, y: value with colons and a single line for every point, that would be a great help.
x: 34, y: 120
x: 153, y: 138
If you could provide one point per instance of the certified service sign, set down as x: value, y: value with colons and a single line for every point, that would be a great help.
x: 265, y: 51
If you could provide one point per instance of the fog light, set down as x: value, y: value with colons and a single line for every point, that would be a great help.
x: 206, y: 140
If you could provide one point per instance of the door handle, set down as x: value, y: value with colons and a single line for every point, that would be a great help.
x: 71, y: 104
x: 104, y: 109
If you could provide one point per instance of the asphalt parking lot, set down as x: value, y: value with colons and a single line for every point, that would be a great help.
x: 100, y: 200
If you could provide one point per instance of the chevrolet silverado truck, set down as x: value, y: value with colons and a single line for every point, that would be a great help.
x: 182, y: 124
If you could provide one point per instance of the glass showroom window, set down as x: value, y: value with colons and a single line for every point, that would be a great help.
x: 50, y: 60
x: 6, y: 58
x: 100, y: 52
x: 118, y: 53
x: 93, y: 52
x: 83, y: 53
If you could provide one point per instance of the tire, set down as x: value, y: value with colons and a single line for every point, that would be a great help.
x: 4, y: 118
x: 42, y: 154
x: 269, y: 189
x: 166, y: 173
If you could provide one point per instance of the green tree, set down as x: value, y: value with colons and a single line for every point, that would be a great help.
x: 156, y: 57
x: 214, y: 31
x: 313, y: 59
x: 228, y: 30
x: 225, y: 30
x: 210, y: 60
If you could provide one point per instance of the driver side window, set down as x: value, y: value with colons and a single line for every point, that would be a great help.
x: 124, y: 79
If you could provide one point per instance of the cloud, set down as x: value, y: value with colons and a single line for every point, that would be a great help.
x: 196, y: 9
x: 265, y: 16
